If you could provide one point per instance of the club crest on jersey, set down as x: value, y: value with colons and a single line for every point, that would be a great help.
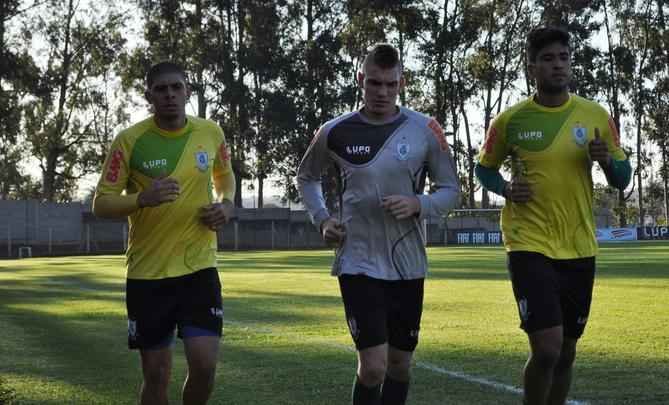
x: 580, y: 134
x: 202, y: 160
x: 403, y: 151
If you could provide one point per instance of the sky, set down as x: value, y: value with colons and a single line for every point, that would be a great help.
x: 133, y: 35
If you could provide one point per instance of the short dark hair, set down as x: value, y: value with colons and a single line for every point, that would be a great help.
x: 162, y: 68
x: 382, y: 55
x: 541, y: 37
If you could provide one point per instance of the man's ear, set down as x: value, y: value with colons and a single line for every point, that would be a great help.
x: 147, y: 96
x: 361, y: 80
x: 402, y: 81
x: 188, y: 91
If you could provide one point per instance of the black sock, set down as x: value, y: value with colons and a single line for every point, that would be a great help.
x: 394, y: 392
x: 364, y: 395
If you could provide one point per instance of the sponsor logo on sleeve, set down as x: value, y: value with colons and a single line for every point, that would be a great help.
x: 114, y: 168
x: 224, y: 152
x: 614, y: 132
x: 490, y: 140
x: 315, y: 137
x: 438, y: 133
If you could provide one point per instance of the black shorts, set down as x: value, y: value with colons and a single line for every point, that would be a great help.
x: 156, y: 307
x: 380, y: 311
x: 552, y: 292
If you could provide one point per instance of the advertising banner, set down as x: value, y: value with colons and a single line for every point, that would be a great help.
x: 474, y: 238
x: 654, y: 233
x: 616, y: 234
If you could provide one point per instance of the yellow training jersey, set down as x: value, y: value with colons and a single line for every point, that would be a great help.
x: 549, y: 147
x: 168, y: 240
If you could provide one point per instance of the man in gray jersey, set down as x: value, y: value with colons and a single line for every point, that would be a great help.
x: 383, y: 153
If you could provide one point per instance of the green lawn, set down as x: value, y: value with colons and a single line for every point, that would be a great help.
x: 63, y: 331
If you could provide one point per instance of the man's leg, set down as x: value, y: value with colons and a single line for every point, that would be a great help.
x: 364, y: 304
x: 562, y: 373
x: 156, y: 369
x: 202, y: 356
x: 577, y: 278
x: 372, y: 365
x: 396, y: 384
x: 545, y: 348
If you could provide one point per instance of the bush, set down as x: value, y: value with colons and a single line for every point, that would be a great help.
x: 7, y: 394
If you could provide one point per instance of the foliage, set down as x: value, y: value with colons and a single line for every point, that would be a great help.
x: 7, y: 394
x: 271, y: 73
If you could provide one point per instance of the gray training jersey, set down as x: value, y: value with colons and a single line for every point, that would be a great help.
x: 375, y: 161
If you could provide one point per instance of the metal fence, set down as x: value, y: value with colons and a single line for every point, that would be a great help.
x: 33, y: 228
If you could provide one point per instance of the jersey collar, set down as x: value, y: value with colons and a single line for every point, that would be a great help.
x: 552, y: 109
x: 175, y: 133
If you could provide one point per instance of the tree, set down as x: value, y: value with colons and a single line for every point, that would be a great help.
x: 319, y: 81
x: 80, y: 47
x: 18, y: 74
x: 497, y: 60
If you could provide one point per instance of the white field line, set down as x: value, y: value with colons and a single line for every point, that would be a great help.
x: 420, y: 364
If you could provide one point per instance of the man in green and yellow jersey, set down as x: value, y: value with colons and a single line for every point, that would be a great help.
x: 171, y: 176
x: 553, y: 139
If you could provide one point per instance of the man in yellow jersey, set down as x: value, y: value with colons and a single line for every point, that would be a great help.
x: 162, y: 173
x: 553, y: 138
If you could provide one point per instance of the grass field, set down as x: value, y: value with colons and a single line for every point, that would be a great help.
x: 63, y: 331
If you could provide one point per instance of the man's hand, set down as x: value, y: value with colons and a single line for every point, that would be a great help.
x: 162, y: 190
x: 401, y: 206
x: 518, y: 190
x: 333, y: 232
x: 599, y: 151
x: 214, y: 216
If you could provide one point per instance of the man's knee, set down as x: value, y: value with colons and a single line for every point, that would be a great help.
x: 372, y: 372
x: 546, y: 347
x: 156, y: 368
x: 567, y: 356
x: 157, y: 375
x: 399, y: 368
x: 202, y: 371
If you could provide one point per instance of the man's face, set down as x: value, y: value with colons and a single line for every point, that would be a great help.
x: 168, y: 94
x: 380, y: 88
x: 552, y: 68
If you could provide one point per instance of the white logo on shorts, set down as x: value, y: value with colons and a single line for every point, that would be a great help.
x: 582, y: 320
x: 132, y: 329
x: 353, y: 328
x: 217, y: 312
x: 522, y: 307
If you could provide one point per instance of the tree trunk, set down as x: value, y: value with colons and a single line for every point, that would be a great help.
x: 665, y: 181
x: 200, y: 90
x: 261, y: 184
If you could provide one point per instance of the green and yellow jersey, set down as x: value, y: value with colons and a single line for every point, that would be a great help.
x: 168, y: 240
x: 549, y: 147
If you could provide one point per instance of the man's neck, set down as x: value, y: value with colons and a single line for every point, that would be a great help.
x: 378, y: 118
x: 550, y: 99
x: 170, y: 123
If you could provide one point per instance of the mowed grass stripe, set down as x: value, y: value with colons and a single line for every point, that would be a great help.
x: 62, y: 330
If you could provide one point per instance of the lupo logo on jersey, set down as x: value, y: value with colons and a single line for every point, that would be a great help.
x: 114, y: 168
x: 359, y: 150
